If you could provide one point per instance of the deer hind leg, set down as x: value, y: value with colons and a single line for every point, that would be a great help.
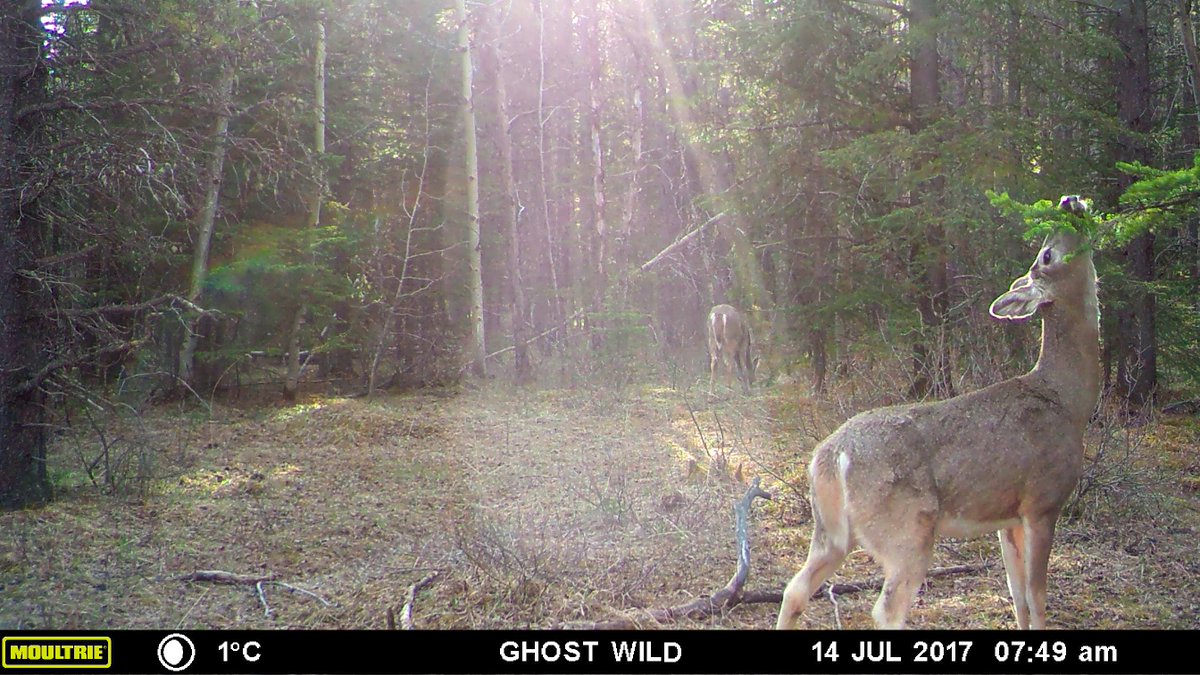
x: 1012, y: 548
x: 825, y: 555
x: 1039, y: 533
x: 714, y: 360
x: 905, y: 551
x: 743, y: 370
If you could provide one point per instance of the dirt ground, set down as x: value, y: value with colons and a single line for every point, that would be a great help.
x: 533, y: 508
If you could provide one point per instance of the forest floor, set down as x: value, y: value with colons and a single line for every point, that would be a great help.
x: 534, y: 508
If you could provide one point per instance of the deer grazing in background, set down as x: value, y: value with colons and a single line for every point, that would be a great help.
x: 729, y: 344
x: 1004, y: 458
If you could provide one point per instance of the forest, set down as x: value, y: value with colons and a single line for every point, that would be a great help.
x: 403, y: 303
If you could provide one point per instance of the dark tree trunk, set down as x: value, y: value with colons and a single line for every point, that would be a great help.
x: 931, y: 363
x: 1136, y: 344
x: 23, y: 479
x: 510, y: 223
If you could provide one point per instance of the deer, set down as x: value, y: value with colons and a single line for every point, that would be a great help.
x: 1002, y: 459
x: 729, y: 344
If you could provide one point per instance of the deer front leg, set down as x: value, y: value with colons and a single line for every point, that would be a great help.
x: 1039, y: 533
x: 1012, y: 548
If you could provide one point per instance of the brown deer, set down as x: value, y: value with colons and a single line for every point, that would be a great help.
x: 729, y: 344
x: 1004, y: 458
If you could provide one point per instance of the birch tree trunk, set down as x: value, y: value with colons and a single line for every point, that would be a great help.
x: 476, y: 349
x: 292, y: 384
x: 206, y: 218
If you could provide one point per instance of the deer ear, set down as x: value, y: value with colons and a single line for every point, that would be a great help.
x: 1020, y: 302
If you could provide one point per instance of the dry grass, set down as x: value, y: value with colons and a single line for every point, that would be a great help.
x: 535, y: 508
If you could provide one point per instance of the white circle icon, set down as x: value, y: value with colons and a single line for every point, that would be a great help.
x: 176, y: 652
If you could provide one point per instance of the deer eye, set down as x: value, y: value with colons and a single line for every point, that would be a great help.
x: 1047, y: 256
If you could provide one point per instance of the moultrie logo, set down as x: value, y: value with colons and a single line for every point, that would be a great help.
x: 57, y: 652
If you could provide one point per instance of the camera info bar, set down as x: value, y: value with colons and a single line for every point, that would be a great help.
x: 667, y: 651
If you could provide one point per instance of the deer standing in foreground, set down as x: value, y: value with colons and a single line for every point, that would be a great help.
x: 729, y: 344
x: 1004, y: 458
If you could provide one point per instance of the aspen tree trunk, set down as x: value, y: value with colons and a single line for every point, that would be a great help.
x: 636, y: 122
x: 292, y: 384
x: 206, y: 218
x: 599, y: 272
x: 476, y: 349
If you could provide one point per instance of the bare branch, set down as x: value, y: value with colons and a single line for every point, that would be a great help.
x: 902, y: 11
x: 682, y: 240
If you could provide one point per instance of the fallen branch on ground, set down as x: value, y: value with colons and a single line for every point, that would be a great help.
x: 406, y: 620
x: 848, y: 587
x: 223, y: 577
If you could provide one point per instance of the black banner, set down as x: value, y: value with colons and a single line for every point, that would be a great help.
x: 367, y: 652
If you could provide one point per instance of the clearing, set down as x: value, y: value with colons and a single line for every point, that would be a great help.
x: 534, y: 508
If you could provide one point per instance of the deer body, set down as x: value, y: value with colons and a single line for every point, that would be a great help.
x: 729, y: 344
x: 1004, y: 458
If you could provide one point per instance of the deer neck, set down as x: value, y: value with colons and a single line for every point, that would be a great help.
x: 1069, y: 362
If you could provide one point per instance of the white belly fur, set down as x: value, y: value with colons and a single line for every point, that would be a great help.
x: 959, y: 528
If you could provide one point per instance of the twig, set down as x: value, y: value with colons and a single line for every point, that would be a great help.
x: 406, y: 620
x: 262, y: 597
x: 223, y: 577
x: 297, y: 589
x: 837, y: 614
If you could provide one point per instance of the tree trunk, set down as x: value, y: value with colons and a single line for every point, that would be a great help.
x: 1137, y: 344
x: 477, y: 349
x: 931, y: 362
x: 545, y: 167
x: 206, y: 219
x: 493, y: 62
x: 1191, y: 134
x: 23, y: 480
x: 599, y: 272
x: 292, y: 383
x: 1188, y: 36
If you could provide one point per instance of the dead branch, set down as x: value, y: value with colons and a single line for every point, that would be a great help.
x: 262, y: 593
x: 528, y: 341
x: 848, y: 587
x: 136, y: 308
x: 680, y: 242
x: 223, y: 577
x: 406, y: 620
